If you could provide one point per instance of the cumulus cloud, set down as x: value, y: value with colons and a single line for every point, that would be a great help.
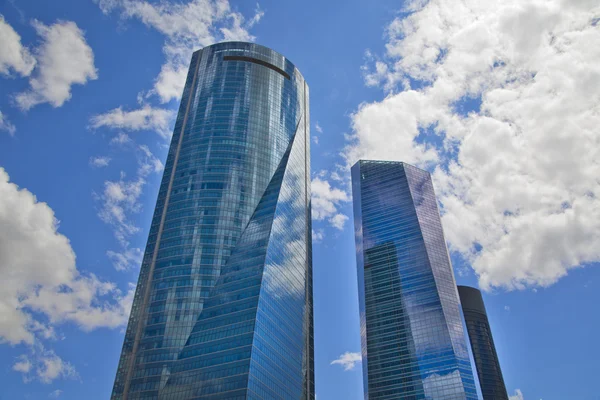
x: 502, y: 100
x: 5, y: 125
x: 387, y: 130
x: 338, y: 221
x: 187, y: 27
x: 12, y: 53
x: 326, y: 201
x: 22, y: 364
x: 170, y: 81
x: 145, y: 118
x: 325, y: 198
x: 64, y: 59
x: 120, y: 200
x: 348, y: 360
x: 41, y: 285
x: 44, y: 366
x: 99, y: 161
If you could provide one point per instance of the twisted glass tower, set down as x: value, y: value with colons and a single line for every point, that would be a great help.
x: 413, y: 343
x: 223, y: 305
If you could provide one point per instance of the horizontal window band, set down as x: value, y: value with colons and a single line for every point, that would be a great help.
x: 257, y: 61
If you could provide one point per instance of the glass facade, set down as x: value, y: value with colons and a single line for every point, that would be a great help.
x: 223, y: 306
x: 482, y: 344
x: 413, y: 343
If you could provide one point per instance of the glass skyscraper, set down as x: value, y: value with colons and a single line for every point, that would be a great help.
x: 482, y: 344
x: 223, y: 305
x: 413, y: 343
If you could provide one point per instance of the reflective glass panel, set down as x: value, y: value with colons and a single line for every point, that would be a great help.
x: 223, y: 306
x: 413, y: 344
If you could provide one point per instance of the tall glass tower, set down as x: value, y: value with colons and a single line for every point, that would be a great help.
x: 413, y: 343
x: 482, y: 344
x: 223, y: 305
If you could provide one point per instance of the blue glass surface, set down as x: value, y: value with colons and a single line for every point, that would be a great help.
x: 483, y: 350
x: 413, y: 344
x: 223, y: 306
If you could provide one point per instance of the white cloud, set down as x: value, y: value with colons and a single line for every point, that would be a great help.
x: 23, y: 364
x: 121, y: 139
x: 99, y: 161
x: 120, y: 199
x: 325, y: 199
x: 387, y: 130
x: 64, y: 59
x: 338, y: 221
x: 317, y: 236
x: 375, y: 77
x: 144, y: 118
x: 336, y: 176
x: 517, y: 177
x: 506, y: 308
x: 42, y: 330
x: 5, y: 125
x: 12, y: 53
x: 517, y: 396
x: 318, y: 127
x: 39, y: 275
x: 348, y: 360
x: 319, y: 130
x: 170, y: 81
x: 55, y: 394
x: 258, y: 14
x: 129, y: 257
x: 44, y: 365
x: 237, y: 30
x: 187, y: 27
x: 53, y: 367
x: 148, y: 162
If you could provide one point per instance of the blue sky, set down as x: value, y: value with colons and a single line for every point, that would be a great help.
x: 499, y: 100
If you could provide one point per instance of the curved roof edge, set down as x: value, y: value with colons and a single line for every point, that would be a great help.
x: 248, y: 44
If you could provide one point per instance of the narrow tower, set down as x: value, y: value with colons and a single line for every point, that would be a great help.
x: 413, y: 343
x: 223, y: 305
x: 482, y: 344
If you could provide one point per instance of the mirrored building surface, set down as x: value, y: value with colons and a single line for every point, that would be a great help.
x: 482, y: 344
x: 223, y: 306
x: 413, y: 343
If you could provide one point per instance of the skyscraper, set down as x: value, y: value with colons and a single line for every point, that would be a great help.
x: 482, y: 344
x: 413, y: 343
x: 223, y: 305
